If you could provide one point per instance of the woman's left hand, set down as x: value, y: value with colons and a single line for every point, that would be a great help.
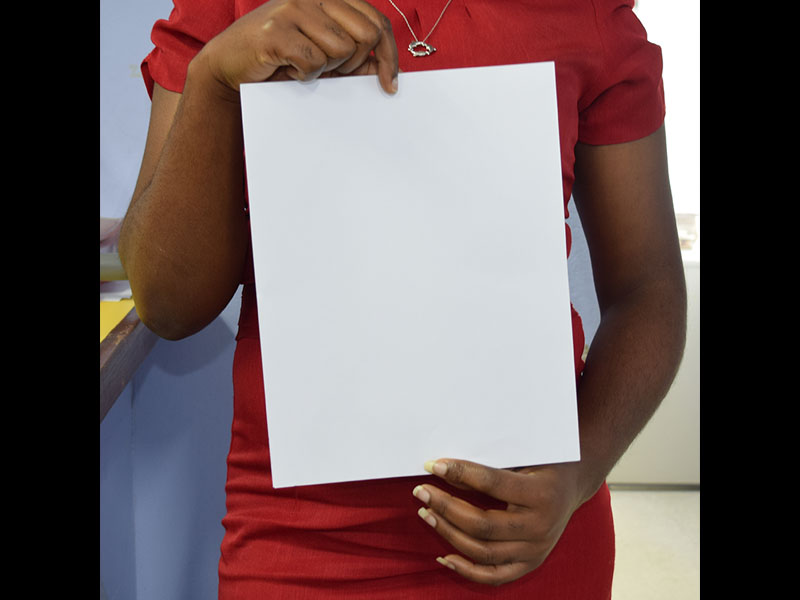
x: 505, y: 544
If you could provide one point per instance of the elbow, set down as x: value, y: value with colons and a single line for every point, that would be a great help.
x: 654, y: 313
x: 168, y: 326
x: 169, y: 309
x: 166, y: 316
x: 668, y: 303
x: 157, y: 307
x: 175, y: 308
x: 674, y: 303
x: 176, y: 297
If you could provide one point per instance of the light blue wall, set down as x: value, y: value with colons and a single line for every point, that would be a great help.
x: 182, y: 410
x: 117, y: 554
x: 163, y: 447
x: 125, y: 27
x: 581, y: 285
x: 124, y: 111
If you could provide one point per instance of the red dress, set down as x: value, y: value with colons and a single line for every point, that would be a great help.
x: 364, y: 539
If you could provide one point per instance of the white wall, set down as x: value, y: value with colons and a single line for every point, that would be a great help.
x: 667, y: 451
x: 675, y: 26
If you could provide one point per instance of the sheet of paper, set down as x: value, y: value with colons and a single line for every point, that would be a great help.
x: 411, y: 274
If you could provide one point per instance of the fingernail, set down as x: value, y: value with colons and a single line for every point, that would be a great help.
x: 427, y: 517
x: 437, y: 468
x: 420, y: 493
x: 445, y: 562
x: 394, y: 84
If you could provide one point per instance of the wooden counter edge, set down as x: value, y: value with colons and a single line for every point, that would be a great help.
x: 121, y: 353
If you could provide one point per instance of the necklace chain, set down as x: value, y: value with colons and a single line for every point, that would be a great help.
x: 417, y: 41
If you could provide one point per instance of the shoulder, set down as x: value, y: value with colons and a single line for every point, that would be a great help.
x: 625, y: 100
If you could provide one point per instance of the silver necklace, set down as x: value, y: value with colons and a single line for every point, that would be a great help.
x: 417, y: 47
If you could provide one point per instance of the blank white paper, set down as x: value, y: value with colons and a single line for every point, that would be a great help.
x: 411, y: 272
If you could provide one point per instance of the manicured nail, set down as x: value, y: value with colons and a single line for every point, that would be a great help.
x: 427, y: 517
x: 445, y: 562
x: 421, y: 494
x: 437, y: 468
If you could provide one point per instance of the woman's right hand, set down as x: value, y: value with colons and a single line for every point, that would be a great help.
x: 303, y: 40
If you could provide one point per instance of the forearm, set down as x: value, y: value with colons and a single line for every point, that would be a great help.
x: 631, y: 364
x: 184, y: 239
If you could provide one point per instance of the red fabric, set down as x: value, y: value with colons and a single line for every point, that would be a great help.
x: 364, y: 539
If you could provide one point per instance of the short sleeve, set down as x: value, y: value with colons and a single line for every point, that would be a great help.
x: 191, y: 24
x: 626, y: 100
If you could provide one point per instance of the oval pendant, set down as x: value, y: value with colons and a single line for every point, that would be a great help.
x: 427, y: 50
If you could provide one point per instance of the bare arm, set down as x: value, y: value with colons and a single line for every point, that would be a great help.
x: 623, y: 196
x: 184, y: 239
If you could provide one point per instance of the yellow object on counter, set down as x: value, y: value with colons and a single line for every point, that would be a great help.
x: 112, y: 313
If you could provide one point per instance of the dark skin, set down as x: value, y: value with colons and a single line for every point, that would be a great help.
x: 184, y: 246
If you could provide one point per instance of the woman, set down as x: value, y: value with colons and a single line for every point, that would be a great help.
x: 543, y: 532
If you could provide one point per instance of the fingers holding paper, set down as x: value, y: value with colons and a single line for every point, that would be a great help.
x: 499, y: 546
x: 303, y: 40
